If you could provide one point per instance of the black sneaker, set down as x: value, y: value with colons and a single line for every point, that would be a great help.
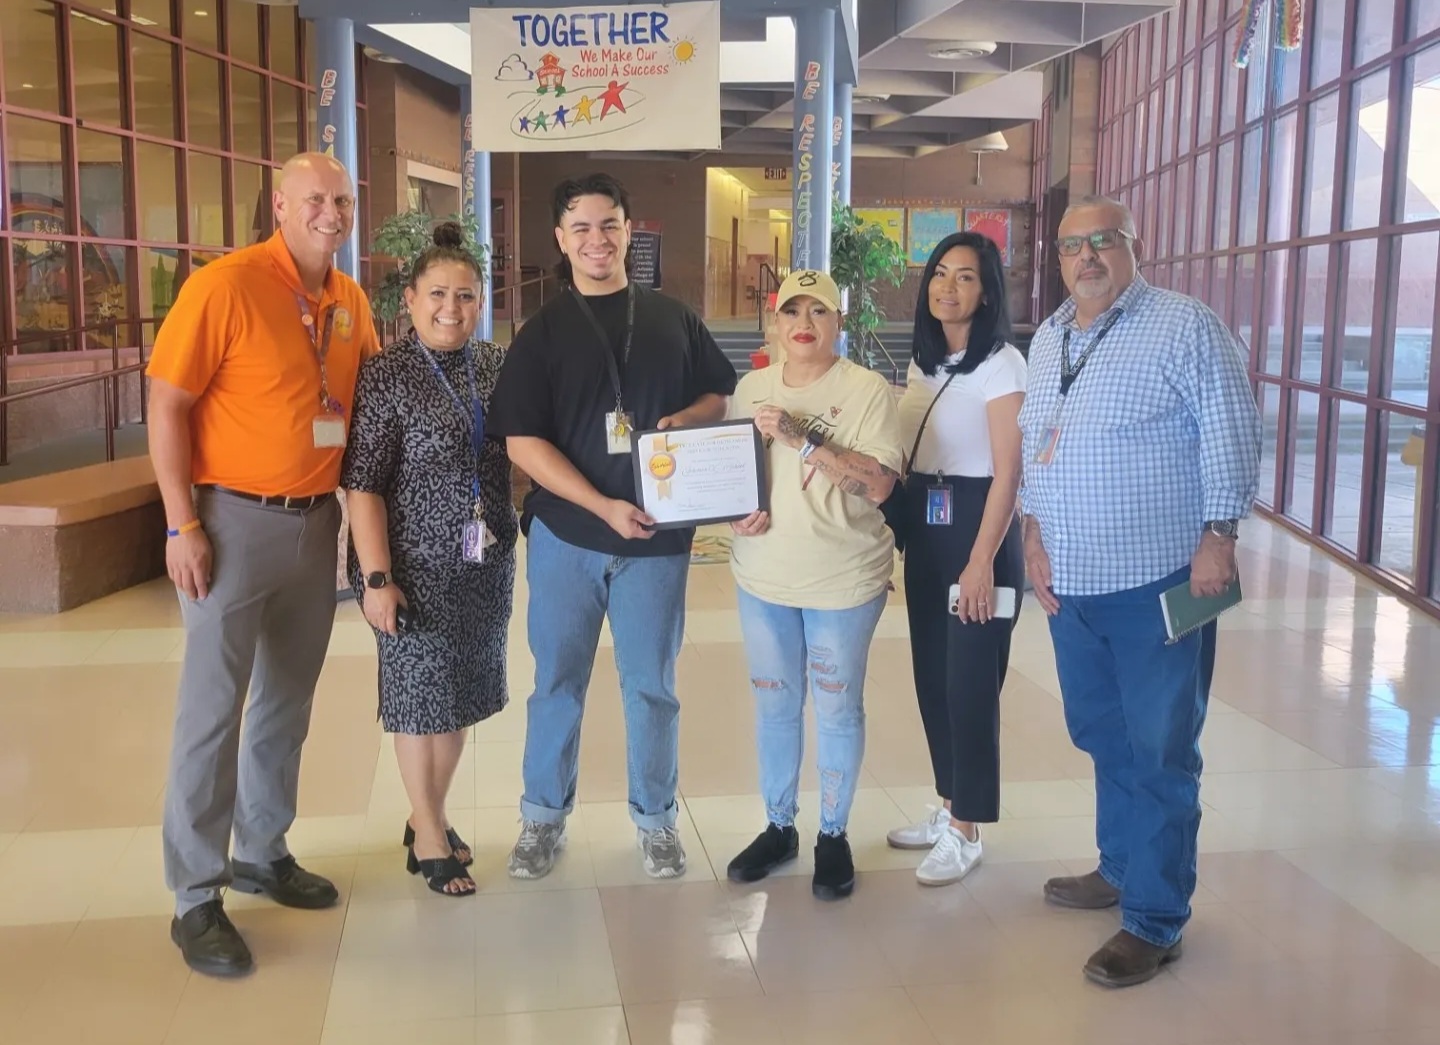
x: 210, y: 942
x: 774, y: 846
x: 834, y: 868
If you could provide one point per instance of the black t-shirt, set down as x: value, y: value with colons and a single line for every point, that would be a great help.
x: 555, y: 385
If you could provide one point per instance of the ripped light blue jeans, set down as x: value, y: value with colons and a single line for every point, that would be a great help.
x: 826, y: 651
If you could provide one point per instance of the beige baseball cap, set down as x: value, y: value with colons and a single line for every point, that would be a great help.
x: 810, y: 283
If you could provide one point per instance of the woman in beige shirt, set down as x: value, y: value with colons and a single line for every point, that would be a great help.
x: 813, y: 572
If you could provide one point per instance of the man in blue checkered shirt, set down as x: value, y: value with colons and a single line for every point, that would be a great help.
x: 1142, y: 453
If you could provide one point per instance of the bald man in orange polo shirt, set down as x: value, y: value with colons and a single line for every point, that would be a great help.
x: 252, y: 381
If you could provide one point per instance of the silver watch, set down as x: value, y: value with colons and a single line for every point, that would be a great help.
x: 1224, y: 527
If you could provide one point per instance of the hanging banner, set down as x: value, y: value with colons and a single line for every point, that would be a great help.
x: 613, y: 77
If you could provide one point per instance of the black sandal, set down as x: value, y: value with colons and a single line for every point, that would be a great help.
x: 439, y: 873
x: 451, y: 835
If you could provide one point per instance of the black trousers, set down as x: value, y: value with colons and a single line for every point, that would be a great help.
x: 959, y: 668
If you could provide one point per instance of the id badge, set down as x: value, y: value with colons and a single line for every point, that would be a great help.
x: 938, y: 505
x: 329, y: 431
x: 1048, y: 443
x: 472, y: 546
x: 618, y: 427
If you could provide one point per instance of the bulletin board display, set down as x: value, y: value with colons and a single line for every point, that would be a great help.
x: 927, y: 227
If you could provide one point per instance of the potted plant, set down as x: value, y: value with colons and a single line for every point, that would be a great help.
x: 862, y: 257
x: 401, y: 238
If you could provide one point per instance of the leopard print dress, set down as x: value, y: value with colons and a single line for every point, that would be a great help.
x: 410, y: 443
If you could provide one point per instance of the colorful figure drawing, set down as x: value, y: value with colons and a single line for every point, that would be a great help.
x: 550, y: 75
x: 524, y: 125
x: 540, y: 123
x: 611, y: 98
x: 560, y: 114
x: 582, y: 111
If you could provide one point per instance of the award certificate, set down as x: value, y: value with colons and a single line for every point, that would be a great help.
x: 699, y: 475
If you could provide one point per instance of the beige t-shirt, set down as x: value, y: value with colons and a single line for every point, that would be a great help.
x: 825, y: 549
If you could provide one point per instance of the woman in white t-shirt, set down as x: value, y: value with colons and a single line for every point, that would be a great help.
x: 813, y: 572
x: 958, y: 524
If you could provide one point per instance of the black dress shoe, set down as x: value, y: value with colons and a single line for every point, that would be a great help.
x: 1127, y: 960
x: 210, y: 942
x: 287, y: 883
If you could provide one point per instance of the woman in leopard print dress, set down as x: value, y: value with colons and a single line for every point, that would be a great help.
x: 417, y: 458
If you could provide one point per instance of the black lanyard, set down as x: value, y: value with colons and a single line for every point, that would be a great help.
x: 605, y: 340
x: 477, y: 408
x: 1068, y: 371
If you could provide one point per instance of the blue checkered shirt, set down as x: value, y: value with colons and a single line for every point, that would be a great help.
x: 1158, y: 435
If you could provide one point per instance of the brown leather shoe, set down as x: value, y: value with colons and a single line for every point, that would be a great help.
x: 1087, y: 892
x: 1126, y: 960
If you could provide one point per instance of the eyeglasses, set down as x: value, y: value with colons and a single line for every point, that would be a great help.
x: 1104, y: 239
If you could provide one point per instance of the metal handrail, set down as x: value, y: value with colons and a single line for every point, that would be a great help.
x: 763, y: 293
x: 871, y: 336
x: 112, y: 400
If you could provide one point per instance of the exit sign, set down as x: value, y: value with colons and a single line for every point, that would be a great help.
x: 777, y: 173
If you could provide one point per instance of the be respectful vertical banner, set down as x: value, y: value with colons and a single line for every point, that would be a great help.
x: 633, y: 77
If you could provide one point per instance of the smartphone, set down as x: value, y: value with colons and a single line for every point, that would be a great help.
x: 404, y: 620
x: 1004, y: 602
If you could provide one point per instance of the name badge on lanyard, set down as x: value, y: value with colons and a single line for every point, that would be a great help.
x: 619, y: 423
x: 939, y: 505
x: 1050, y: 438
x: 475, y: 536
x: 328, y: 426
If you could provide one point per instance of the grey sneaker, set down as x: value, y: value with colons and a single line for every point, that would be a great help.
x: 534, y: 853
x: 664, y: 855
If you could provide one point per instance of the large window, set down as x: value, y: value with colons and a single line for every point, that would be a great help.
x: 1300, y: 198
x: 138, y: 141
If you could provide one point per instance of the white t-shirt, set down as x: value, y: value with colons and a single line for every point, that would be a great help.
x: 957, y: 436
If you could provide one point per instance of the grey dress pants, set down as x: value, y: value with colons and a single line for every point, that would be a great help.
x: 264, y: 628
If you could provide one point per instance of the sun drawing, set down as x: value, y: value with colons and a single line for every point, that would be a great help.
x: 684, y: 51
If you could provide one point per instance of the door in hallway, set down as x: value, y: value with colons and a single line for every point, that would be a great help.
x: 502, y: 261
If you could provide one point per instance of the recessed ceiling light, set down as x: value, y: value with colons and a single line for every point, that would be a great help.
x: 202, y: 14
x: 960, y: 50
x: 28, y: 86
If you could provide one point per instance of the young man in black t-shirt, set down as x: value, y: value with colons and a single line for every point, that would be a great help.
x: 597, y: 363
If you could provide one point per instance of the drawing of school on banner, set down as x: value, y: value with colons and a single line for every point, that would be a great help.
x: 612, y: 77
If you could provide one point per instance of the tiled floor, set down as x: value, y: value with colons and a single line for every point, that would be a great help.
x: 1317, y: 918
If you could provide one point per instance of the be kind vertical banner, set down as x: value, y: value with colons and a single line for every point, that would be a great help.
x: 613, y: 77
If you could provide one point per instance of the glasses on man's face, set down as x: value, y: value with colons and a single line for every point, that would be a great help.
x: 1104, y: 239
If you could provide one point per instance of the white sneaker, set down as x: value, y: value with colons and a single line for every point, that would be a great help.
x: 952, y: 858
x: 922, y: 835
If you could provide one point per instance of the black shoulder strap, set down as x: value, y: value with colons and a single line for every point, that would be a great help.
x: 925, y: 420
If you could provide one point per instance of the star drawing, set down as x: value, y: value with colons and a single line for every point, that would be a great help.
x: 524, y: 124
x: 540, y: 122
x: 582, y: 111
x: 560, y: 116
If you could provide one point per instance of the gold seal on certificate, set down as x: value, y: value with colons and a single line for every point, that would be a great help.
x: 696, y: 476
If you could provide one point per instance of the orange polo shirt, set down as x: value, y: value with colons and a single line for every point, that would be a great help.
x: 235, y: 338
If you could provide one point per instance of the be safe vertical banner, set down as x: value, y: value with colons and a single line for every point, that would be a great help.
x: 613, y: 77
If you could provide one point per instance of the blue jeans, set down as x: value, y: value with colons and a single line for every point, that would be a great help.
x: 786, y: 648
x: 571, y: 591
x: 1136, y: 707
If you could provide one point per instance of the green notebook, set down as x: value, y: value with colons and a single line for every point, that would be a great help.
x: 1185, y: 613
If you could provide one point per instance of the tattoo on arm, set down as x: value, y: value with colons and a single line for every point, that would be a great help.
x: 854, y: 473
x: 791, y: 427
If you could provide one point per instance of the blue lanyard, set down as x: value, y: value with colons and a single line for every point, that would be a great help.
x: 477, y: 409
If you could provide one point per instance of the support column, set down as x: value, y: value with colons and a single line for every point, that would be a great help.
x: 475, y: 204
x: 814, y: 137
x: 843, y: 140
x: 336, y: 131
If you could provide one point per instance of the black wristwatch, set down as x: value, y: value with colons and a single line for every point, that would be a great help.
x: 377, y: 579
x: 814, y: 439
x: 1224, y: 528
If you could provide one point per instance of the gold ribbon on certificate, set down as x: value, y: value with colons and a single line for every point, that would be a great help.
x: 661, y: 465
